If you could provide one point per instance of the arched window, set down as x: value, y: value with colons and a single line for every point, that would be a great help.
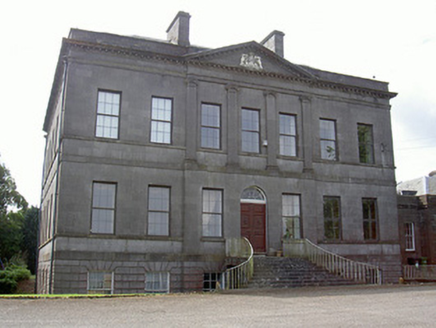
x: 252, y: 194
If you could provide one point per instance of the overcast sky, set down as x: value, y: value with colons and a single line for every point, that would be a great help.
x: 393, y: 41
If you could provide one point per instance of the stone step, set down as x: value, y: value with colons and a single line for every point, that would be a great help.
x: 277, y: 272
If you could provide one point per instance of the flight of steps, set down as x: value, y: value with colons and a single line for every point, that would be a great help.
x: 282, y: 272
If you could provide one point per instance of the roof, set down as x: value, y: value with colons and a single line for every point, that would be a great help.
x: 422, y: 186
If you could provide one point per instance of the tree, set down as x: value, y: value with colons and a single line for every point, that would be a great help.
x: 10, y: 235
x: 9, y: 196
x: 29, y: 233
x: 11, y: 223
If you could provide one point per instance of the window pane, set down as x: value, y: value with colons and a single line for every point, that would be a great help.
x: 210, y: 115
x: 212, y: 201
x: 107, y: 127
x: 211, y: 225
x: 158, y: 223
x: 250, y: 142
x: 100, y: 282
x: 287, y: 124
x: 159, y: 199
x: 250, y: 120
x: 161, y: 109
x: 161, y: 132
x: 288, y: 146
x: 157, y: 282
x: 104, y: 195
x: 328, y: 150
x: 210, y: 138
x: 102, y: 221
x: 327, y: 129
x: 291, y: 205
x: 108, y: 103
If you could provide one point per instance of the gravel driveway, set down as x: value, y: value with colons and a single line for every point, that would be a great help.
x: 356, y: 306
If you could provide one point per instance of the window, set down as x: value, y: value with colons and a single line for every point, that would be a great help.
x: 332, y: 218
x: 212, y: 213
x: 366, y: 143
x: 103, y: 207
x: 369, y: 208
x: 100, y: 282
x: 288, y: 135
x: 108, y: 111
x: 250, y: 131
x: 158, y: 211
x: 210, y: 126
x: 161, y: 115
x: 409, y: 230
x: 157, y: 282
x: 210, y: 281
x: 327, y: 134
x: 291, y: 216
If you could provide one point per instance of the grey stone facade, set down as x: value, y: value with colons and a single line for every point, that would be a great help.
x: 250, y: 76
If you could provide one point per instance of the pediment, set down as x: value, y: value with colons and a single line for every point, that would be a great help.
x: 249, y: 56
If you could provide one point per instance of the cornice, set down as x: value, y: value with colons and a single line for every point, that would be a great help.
x: 191, y: 60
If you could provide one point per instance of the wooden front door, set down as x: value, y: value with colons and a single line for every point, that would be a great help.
x: 253, y: 225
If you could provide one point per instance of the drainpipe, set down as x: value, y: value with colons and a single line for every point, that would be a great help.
x: 56, y: 198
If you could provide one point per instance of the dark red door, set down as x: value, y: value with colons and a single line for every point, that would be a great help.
x: 253, y: 225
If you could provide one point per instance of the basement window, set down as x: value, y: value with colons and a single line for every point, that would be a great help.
x: 211, y: 281
x: 157, y: 282
x: 100, y: 282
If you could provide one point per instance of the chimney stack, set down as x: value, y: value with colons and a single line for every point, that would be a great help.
x: 274, y: 42
x: 178, y: 32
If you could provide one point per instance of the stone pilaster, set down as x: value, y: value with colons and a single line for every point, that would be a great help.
x: 306, y: 113
x: 271, y: 131
x: 233, y: 128
x: 191, y: 122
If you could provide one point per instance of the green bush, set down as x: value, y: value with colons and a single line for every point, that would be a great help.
x: 10, y: 276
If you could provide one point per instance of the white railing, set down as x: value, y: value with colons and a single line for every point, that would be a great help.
x: 240, y: 275
x: 341, y: 266
x: 422, y: 272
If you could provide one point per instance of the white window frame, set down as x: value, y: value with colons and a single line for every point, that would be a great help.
x: 210, y: 127
x: 163, y: 212
x: 211, y: 281
x: 161, y: 278
x: 288, y: 138
x: 252, y: 133
x: 212, y: 217
x: 96, y: 209
x: 103, y: 289
x: 327, y: 141
x: 108, y: 114
x: 409, y: 234
x: 291, y: 218
x: 160, y: 120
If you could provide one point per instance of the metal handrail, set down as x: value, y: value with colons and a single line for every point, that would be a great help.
x: 346, y: 268
x: 239, y: 276
x: 421, y: 272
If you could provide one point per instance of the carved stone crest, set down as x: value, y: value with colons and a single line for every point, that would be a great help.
x: 251, y: 61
